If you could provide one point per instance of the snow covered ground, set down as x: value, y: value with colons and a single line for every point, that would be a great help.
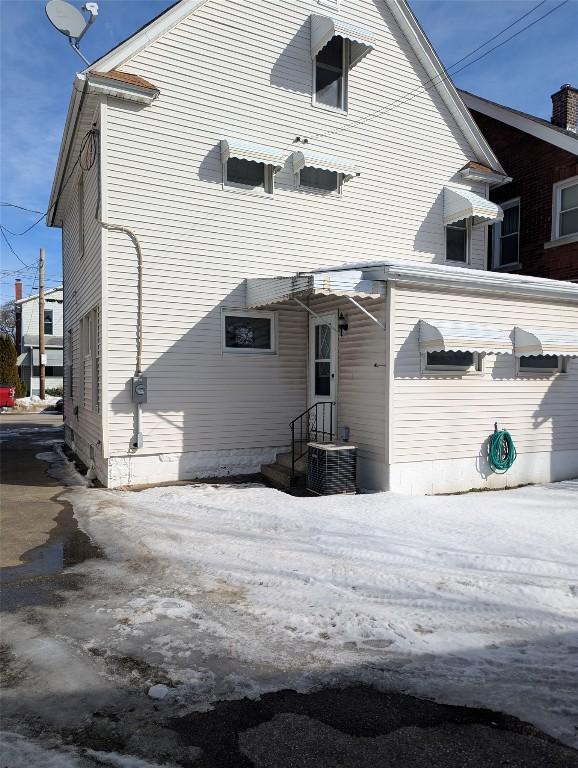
x: 228, y: 591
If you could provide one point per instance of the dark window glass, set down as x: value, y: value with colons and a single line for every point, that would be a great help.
x: 49, y: 370
x: 317, y: 178
x: 329, y: 74
x: 245, y: 172
x: 48, y: 321
x: 569, y: 211
x: 323, y: 342
x: 457, y: 241
x: 323, y: 379
x: 546, y: 362
x: 509, y: 235
x: 247, y: 332
x: 451, y: 359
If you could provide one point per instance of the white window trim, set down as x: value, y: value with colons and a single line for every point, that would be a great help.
x: 334, y: 4
x: 344, y: 108
x: 266, y: 189
x: 476, y: 369
x: 51, y: 321
x: 468, y: 260
x: 316, y: 191
x: 547, y: 373
x: 497, y: 232
x: 272, y: 316
x: 556, y: 203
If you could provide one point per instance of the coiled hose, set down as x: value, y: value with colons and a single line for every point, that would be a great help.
x: 501, y: 451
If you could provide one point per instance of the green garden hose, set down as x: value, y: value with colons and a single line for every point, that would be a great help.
x: 501, y: 451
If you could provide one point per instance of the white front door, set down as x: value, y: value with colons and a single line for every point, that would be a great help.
x: 323, y: 368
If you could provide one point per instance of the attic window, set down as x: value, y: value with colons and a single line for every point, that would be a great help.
x: 330, y: 75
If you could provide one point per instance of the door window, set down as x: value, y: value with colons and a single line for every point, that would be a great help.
x: 322, y: 360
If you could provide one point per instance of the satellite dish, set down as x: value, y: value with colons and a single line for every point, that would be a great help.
x: 70, y: 21
x: 66, y: 18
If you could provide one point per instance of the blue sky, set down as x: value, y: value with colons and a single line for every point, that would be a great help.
x: 37, y: 67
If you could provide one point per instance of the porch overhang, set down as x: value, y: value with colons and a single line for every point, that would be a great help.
x: 262, y: 292
x: 465, y: 204
x: 324, y: 28
x: 446, y: 336
x: 529, y: 342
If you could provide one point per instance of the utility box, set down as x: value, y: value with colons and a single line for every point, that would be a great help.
x: 331, y: 468
x: 139, y: 389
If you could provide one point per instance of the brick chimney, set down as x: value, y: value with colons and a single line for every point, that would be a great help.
x: 565, y: 107
x: 18, y: 290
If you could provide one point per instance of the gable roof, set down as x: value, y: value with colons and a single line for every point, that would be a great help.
x: 34, y: 296
x: 535, y: 126
x: 403, y: 15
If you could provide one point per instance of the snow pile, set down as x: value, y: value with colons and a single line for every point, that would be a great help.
x: 61, y: 467
x: 17, y: 751
x: 472, y: 599
x: 33, y: 402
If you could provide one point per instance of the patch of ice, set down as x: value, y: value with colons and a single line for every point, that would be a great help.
x: 124, y: 761
x: 17, y: 751
x: 158, y: 691
x: 62, y: 468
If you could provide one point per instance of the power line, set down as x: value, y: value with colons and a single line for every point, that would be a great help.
x: 437, y: 79
x: 20, y: 207
x: 9, y: 244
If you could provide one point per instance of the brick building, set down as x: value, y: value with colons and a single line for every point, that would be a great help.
x: 539, y: 233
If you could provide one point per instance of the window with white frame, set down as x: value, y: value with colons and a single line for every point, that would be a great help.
x: 48, y: 322
x: 89, y: 360
x: 565, y: 209
x: 320, y: 180
x: 506, y: 250
x: 449, y: 361
x: 546, y: 364
x: 248, y: 332
x: 248, y: 174
x: 330, y: 72
x: 458, y: 235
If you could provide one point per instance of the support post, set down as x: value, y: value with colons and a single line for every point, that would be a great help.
x: 41, y: 339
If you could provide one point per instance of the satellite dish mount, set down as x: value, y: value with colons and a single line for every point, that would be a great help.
x: 70, y: 21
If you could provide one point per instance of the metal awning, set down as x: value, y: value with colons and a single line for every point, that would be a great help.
x: 323, y: 28
x: 545, y: 341
x: 21, y: 358
x: 449, y: 336
x: 263, y: 291
x: 464, y: 204
x: 304, y: 157
x: 258, y: 153
x: 53, y: 357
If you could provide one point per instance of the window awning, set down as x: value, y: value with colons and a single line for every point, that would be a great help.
x: 545, y: 341
x: 304, y: 158
x: 269, y: 290
x: 323, y: 28
x: 258, y: 153
x: 448, y: 336
x: 463, y: 204
x: 21, y: 358
x: 53, y: 357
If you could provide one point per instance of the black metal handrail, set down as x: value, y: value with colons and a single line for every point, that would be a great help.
x: 311, y: 427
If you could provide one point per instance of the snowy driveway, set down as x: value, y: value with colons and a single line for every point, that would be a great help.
x: 235, y: 590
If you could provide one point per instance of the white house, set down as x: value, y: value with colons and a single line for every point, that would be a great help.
x: 272, y: 205
x: 27, y: 324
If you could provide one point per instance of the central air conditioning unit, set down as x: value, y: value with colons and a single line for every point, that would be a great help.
x: 331, y: 468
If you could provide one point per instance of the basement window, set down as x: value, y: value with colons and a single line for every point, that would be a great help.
x: 545, y: 364
x: 319, y: 180
x: 248, y: 332
x: 248, y: 174
x: 451, y: 361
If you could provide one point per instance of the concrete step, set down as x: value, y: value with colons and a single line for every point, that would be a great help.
x: 280, y: 476
x: 285, y: 460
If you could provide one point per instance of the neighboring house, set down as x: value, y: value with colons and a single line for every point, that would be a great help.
x: 27, y: 320
x: 222, y: 276
x: 539, y: 233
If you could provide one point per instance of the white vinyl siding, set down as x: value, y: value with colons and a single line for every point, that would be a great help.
x: 253, y: 80
x: 82, y: 292
x: 450, y: 417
